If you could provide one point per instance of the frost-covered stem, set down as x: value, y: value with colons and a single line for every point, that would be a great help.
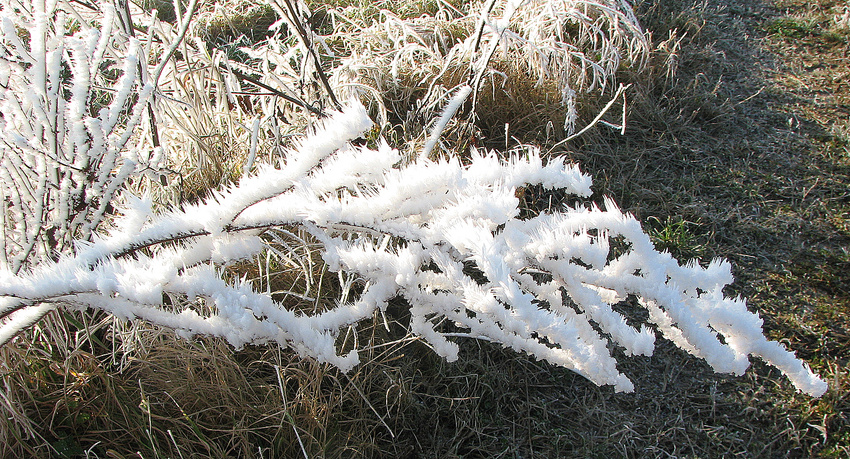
x: 127, y: 24
x: 295, y: 19
x: 4, y: 257
x: 482, y: 23
x: 620, y: 90
x: 181, y: 34
x: 482, y: 64
x: 448, y: 113
x: 245, y: 77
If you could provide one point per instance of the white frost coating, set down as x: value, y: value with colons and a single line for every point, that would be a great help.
x: 449, y: 112
x: 61, y: 165
x: 22, y: 319
x: 441, y: 235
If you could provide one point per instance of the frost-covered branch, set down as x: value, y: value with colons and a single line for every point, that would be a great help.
x: 444, y: 237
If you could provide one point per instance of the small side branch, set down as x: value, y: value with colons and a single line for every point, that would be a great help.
x: 256, y: 82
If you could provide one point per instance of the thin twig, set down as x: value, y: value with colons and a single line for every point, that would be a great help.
x: 295, y: 20
x: 127, y: 23
x: 485, y: 12
x: 184, y: 27
x: 596, y: 120
x: 256, y: 82
x: 475, y: 78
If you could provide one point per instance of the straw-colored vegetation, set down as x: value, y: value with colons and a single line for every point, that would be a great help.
x: 732, y: 139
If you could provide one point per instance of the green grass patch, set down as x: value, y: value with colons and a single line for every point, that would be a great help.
x: 789, y: 27
x: 677, y: 236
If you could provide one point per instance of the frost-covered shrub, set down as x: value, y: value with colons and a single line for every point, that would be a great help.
x: 443, y: 236
x: 77, y: 123
x: 72, y: 97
